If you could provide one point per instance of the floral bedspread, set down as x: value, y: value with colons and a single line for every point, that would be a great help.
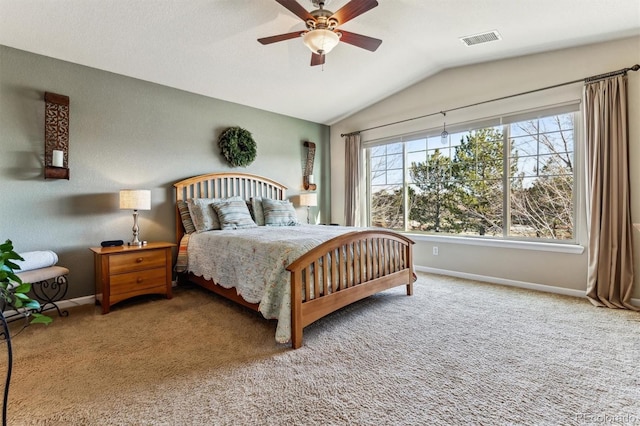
x: 254, y: 262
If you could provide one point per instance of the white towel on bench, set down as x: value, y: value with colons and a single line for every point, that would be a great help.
x: 36, y: 260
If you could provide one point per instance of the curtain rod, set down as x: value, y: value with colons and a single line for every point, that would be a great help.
x: 591, y: 79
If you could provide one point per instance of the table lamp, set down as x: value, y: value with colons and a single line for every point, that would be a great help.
x: 135, y: 199
x: 308, y: 199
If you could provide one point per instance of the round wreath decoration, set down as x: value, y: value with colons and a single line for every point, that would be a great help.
x: 237, y: 146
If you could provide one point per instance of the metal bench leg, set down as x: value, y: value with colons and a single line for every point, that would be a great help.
x: 48, y: 292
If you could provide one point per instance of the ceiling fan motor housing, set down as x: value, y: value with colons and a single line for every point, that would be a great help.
x: 322, y: 20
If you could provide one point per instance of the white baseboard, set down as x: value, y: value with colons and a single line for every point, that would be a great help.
x: 512, y: 283
x: 63, y: 304
x: 70, y: 303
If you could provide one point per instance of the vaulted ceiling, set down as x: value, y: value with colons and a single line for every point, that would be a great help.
x: 209, y: 47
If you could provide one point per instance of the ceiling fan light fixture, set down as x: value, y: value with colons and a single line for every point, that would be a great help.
x: 321, y: 41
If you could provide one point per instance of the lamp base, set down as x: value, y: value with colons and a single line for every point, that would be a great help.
x: 137, y: 243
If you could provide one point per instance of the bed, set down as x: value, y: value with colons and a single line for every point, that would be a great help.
x: 314, y: 269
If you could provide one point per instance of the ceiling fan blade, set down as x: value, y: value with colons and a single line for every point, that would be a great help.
x: 360, y: 40
x: 295, y: 8
x: 352, y: 9
x: 317, y: 59
x: 280, y: 37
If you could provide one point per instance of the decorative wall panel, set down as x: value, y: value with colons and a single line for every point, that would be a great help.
x: 56, y: 136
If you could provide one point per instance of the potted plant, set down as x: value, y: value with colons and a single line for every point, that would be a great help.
x: 13, y: 296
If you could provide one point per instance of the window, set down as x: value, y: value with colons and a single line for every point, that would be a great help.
x: 509, y: 180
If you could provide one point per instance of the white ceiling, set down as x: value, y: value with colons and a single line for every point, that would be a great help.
x: 209, y: 46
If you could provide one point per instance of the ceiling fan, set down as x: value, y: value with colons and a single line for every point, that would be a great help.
x: 322, y: 33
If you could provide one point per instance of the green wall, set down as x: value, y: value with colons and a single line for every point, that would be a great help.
x: 124, y: 133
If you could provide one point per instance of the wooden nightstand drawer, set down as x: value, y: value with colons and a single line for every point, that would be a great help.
x: 141, y: 280
x: 136, y: 261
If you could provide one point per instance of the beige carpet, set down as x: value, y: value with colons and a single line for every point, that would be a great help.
x: 455, y: 353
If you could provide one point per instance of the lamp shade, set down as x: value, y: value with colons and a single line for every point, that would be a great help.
x: 135, y: 199
x: 309, y: 199
x: 321, y: 41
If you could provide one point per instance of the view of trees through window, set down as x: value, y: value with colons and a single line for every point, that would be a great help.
x: 514, y: 180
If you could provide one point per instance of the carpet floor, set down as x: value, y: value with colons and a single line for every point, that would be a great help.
x: 455, y: 353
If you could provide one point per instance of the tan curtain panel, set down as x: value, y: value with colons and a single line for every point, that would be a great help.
x: 352, y: 180
x: 610, y: 252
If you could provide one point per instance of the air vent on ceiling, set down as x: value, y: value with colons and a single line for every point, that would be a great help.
x: 481, y: 38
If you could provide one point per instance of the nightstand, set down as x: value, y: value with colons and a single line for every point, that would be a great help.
x: 127, y: 271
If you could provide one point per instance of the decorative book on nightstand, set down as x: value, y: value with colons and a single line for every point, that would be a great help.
x: 127, y: 271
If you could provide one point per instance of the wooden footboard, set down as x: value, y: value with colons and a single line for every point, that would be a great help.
x: 346, y: 269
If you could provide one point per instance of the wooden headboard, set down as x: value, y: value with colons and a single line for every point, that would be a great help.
x: 223, y: 185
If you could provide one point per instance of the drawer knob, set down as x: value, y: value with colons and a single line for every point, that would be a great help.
x: 138, y: 260
x: 139, y: 280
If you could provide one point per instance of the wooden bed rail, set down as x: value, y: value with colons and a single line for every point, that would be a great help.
x: 334, y: 274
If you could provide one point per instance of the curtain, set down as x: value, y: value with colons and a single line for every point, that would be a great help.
x: 352, y: 180
x: 610, y: 252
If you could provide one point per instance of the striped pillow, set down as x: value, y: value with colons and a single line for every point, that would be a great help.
x: 258, y: 213
x: 233, y: 215
x: 203, y: 215
x: 187, y: 223
x: 279, y: 213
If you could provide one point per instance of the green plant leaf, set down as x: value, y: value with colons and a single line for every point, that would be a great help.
x: 41, y: 319
x: 7, y: 246
x: 22, y: 296
x: 12, y: 255
x: 32, y: 304
x: 22, y: 288
x: 12, y: 265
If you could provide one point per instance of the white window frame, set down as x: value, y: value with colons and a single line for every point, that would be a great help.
x: 576, y: 245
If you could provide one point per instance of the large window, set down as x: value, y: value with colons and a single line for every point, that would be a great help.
x: 512, y: 180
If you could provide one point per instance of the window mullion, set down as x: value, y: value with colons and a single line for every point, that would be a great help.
x: 368, y: 186
x: 405, y: 191
x: 506, y: 184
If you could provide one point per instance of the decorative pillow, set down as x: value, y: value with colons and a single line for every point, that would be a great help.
x: 234, y: 214
x: 258, y: 212
x: 187, y: 223
x: 279, y: 213
x: 202, y: 213
x: 250, y: 207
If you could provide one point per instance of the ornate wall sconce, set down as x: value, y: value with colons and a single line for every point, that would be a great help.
x: 308, y: 180
x: 56, y: 136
